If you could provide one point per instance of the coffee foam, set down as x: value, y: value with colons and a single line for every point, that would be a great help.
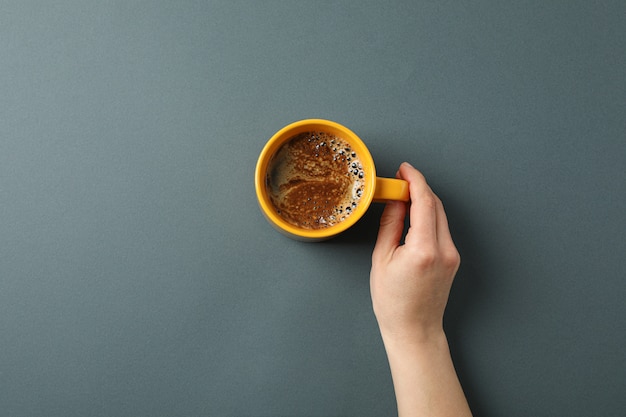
x: 315, y: 180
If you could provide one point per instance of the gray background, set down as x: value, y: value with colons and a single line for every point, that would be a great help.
x: 138, y: 277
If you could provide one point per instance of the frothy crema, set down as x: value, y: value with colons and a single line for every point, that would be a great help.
x: 315, y: 180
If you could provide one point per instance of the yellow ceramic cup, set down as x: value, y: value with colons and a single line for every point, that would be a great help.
x: 376, y: 189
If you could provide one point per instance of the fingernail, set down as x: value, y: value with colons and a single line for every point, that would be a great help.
x: 409, y: 165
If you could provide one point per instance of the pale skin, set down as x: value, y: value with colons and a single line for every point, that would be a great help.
x: 410, y: 283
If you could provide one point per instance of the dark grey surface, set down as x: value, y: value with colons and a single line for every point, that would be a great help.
x: 138, y: 278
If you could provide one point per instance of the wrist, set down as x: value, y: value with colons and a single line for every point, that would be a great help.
x: 419, y: 337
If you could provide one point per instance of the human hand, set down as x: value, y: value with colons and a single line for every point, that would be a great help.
x: 410, y: 282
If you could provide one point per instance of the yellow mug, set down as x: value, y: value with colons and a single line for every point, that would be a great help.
x: 371, y: 188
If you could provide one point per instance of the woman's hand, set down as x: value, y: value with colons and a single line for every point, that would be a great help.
x: 410, y: 283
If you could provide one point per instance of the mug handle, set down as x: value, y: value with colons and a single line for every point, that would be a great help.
x: 391, y: 189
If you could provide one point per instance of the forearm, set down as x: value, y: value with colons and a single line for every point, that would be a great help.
x: 424, y: 378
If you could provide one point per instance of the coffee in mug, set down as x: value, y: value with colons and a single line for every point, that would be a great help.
x: 315, y: 180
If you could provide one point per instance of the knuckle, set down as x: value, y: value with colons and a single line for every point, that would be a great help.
x: 389, y: 220
x: 429, y: 200
x: 425, y: 258
x: 451, y: 258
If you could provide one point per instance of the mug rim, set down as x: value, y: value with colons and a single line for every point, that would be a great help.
x: 274, y: 144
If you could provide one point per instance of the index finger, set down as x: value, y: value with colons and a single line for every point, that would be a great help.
x: 423, y: 211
